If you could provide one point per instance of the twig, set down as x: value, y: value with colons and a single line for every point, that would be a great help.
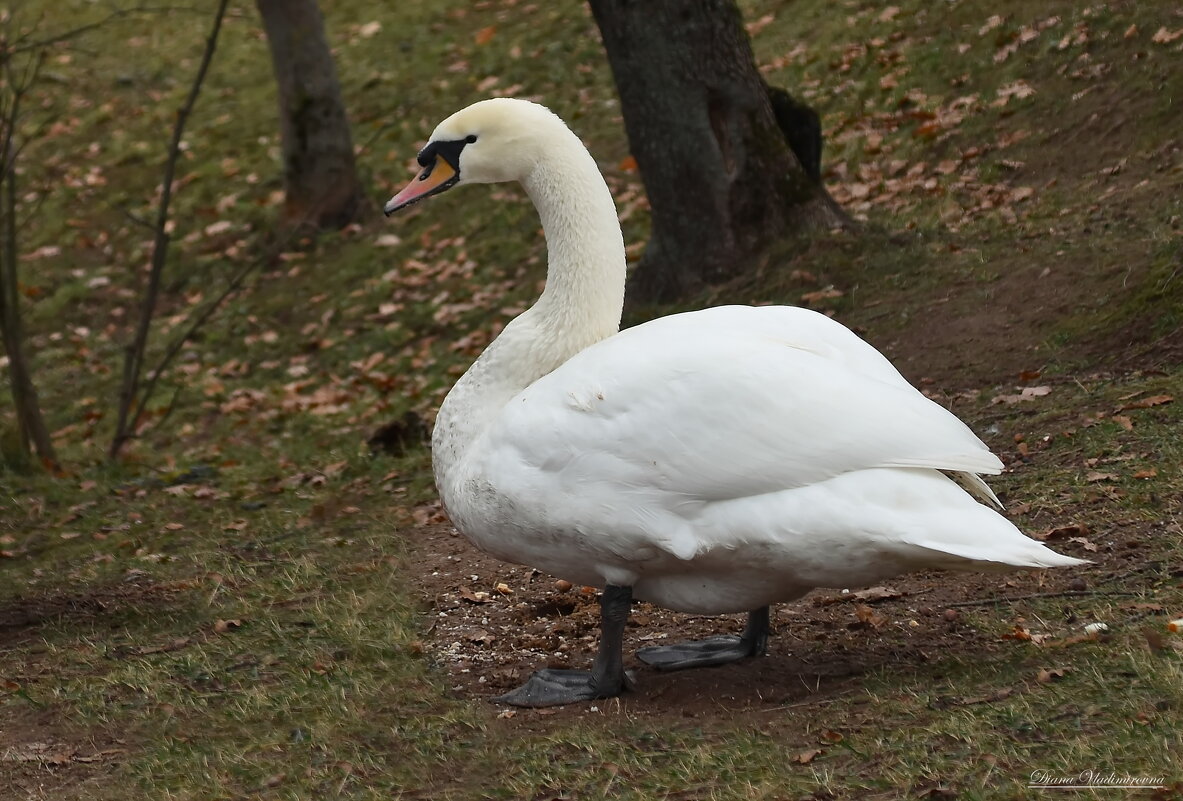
x: 134, y: 355
x: 1012, y: 598
x: 25, y: 44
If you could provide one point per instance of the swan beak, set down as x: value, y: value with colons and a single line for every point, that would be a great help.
x: 439, y: 176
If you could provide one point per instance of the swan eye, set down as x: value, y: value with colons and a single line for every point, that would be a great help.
x: 470, y: 138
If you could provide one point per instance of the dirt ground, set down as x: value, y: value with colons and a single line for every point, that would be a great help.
x: 492, y: 624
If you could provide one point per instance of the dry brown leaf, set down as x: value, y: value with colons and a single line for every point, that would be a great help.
x: 467, y: 594
x: 872, y: 594
x: 1064, y: 533
x: 810, y: 298
x: 1051, y: 674
x: 805, y: 757
x: 1163, y: 36
x: 485, y: 35
x: 1096, y: 475
x: 223, y: 626
x: 1149, y: 472
x: 1018, y: 633
x: 1025, y: 394
x: 869, y: 617
x: 1146, y: 403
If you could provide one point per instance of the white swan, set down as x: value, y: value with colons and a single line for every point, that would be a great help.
x: 711, y: 462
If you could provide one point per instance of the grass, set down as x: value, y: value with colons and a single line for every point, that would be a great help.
x: 257, y: 628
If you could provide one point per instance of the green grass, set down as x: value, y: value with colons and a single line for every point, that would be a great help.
x: 326, y: 684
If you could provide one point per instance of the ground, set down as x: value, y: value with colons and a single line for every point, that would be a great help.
x: 253, y: 604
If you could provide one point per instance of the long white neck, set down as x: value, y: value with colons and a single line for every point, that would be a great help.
x: 580, y: 306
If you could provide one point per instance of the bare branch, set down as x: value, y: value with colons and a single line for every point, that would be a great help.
x: 134, y: 356
x: 25, y: 44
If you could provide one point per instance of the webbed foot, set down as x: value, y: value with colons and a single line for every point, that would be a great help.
x: 552, y: 687
x: 718, y: 650
x: 606, y: 679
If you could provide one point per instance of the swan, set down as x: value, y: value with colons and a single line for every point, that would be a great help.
x: 711, y: 462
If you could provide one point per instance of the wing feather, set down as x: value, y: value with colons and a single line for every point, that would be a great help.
x: 726, y: 403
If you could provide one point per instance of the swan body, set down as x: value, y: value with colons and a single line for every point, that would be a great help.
x: 709, y: 462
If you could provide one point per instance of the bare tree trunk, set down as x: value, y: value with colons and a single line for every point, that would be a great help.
x: 722, y: 178
x: 31, y: 428
x: 320, y: 178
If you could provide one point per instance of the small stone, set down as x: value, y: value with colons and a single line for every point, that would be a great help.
x: 562, y: 585
x: 951, y: 615
x: 1078, y: 585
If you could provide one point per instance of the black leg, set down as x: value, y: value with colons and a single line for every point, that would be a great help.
x: 606, y: 679
x: 714, y: 650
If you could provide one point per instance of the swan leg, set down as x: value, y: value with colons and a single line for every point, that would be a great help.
x: 606, y: 679
x: 713, y: 650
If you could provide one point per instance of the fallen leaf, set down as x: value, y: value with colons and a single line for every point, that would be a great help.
x: 831, y: 736
x: 1149, y: 472
x: 869, y: 617
x: 1063, y: 532
x: 1146, y: 403
x: 805, y: 757
x: 1096, y: 475
x: 223, y: 626
x: 810, y: 298
x: 485, y: 35
x: 872, y: 594
x: 1051, y: 674
x: 474, y: 597
x: 1025, y: 394
x: 1018, y: 633
x: 1163, y: 36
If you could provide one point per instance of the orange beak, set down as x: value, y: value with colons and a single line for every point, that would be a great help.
x: 439, y: 176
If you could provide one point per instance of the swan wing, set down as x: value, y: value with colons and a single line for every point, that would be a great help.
x: 728, y: 403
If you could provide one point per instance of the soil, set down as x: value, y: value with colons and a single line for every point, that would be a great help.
x: 492, y: 624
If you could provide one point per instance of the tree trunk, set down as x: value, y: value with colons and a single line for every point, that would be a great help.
x: 30, y: 424
x: 722, y: 177
x: 320, y: 178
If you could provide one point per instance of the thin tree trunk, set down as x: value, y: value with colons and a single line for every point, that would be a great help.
x: 31, y: 428
x: 133, y: 401
x: 320, y: 177
x: 722, y: 179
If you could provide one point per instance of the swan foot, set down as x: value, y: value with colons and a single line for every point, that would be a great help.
x: 606, y: 679
x: 719, y: 650
x: 551, y: 687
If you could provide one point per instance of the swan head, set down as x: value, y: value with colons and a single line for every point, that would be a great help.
x: 488, y: 142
